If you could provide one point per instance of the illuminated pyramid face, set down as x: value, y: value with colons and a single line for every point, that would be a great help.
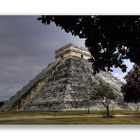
x: 66, y: 84
x: 72, y: 50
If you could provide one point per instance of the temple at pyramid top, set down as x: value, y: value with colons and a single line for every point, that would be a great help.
x: 72, y: 50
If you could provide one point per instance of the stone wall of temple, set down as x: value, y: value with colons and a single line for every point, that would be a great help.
x: 66, y: 84
x: 72, y: 50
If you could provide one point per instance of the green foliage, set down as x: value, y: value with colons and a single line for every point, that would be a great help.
x: 104, y: 94
x: 131, y: 89
x: 110, y: 39
x: 104, y: 91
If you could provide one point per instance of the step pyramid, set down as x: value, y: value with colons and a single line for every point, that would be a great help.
x: 66, y: 84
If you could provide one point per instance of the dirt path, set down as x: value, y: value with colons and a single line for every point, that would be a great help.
x: 48, y: 116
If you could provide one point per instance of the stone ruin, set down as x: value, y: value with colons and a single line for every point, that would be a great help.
x: 66, y: 84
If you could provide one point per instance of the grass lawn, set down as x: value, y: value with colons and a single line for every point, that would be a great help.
x: 80, y: 119
x: 72, y: 121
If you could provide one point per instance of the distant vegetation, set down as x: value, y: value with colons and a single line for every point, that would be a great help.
x: 1, y: 103
x: 131, y: 89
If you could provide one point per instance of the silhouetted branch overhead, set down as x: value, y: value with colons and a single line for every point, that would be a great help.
x: 110, y: 39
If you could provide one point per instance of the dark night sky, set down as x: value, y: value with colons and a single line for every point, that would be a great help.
x: 26, y: 47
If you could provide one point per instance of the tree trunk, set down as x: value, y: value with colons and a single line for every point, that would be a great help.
x: 88, y: 110
x: 107, y: 111
x: 137, y: 106
x: 88, y: 107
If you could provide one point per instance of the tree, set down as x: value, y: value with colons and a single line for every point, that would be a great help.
x: 104, y: 94
x: 1, y: 103
x: 110, y: 39
x: 131, y: 89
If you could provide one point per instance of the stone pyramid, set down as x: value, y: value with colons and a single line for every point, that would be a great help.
x: 66, y: 84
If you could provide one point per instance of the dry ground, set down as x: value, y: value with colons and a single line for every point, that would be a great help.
x: 123, y: 117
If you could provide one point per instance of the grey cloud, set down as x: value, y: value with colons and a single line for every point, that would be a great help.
x: 26, y: 47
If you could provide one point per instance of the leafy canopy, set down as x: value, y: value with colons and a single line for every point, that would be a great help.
x: 104, y: 93
x: 110, y: 39
x: 1, y: 103
x: 131, y: 89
